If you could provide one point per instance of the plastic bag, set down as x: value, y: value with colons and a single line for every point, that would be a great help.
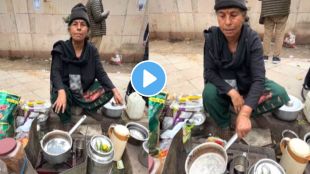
x: 156, y: 106
x: 8, y: 105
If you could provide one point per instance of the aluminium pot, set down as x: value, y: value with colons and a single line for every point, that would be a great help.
x: 206, y: 158
x: 138, y: 133
x: 266, y: 166
x: 56, y: 144
x: 113, y: 110
x: 99, y: 162
x: 289, y: 111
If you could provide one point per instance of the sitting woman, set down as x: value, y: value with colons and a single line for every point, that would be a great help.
x: 234, y: 71
x: 77, y: 75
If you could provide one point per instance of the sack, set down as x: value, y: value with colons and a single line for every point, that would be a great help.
x: 8, y: 105
x: 306, y: 85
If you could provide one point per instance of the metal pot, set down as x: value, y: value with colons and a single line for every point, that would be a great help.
x: 266, y: 166
x: 208, y: 157
x: 100, y: 162
x: 56, y: 145
x: 112, y: 110
x: 143, y: 155
x: 289, y: 111
x: 138, y: 133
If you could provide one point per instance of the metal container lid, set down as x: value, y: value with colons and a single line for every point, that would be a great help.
x: 268, y: 166
x: 299, y: 147
x: 97, y: 155
x: 293, y: 105
x: 111, y: 105
x: 7, y: 145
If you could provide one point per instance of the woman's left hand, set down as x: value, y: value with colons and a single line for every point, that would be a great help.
x: 117, y: 96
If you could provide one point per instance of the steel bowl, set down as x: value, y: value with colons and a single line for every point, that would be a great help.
x: 138, y: 133
x: 112, y: 110
x: 289, y: 111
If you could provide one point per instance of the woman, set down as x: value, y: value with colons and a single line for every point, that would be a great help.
x: 234, y: 71
x: 77, y: 75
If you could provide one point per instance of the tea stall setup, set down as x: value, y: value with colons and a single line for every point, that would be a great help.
x: 185, y: 139
x: 41, y: 144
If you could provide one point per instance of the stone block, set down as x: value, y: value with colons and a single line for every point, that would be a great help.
x: 304, y: 6
x: 7, y: 23
x: 115, y: 25
x: 154, y: 7
x: 116, y: 7
x: 22, y: 23
x: 203, y: 6
x: 3, y: 6
x: 184, y: 6
x: 130, y: 40
x: 254, y: 6
x: 186, y: 22
x: 110, y: 44
x: 133, y: 25
x: 42, y: 23
x: 20, y: 6
x: 168, y: 6
x: 25, y: 42
x: 5, y: 39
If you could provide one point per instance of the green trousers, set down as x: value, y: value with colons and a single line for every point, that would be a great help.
x: 218, y: 105
x: 72, y: 100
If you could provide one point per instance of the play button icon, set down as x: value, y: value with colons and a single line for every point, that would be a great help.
x: 148, y: 78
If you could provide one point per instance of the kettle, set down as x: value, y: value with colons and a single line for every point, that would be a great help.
x: 295, y: 155
x: 135, y: 106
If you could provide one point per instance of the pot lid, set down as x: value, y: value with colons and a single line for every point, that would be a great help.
x: 111, y: 105
x: 268, y: 166
x: 121, y: 130
x: 293, y: 105
x: 7, y: 145
x: 299, y: 147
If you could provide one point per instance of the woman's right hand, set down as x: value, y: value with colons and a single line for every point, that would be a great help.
x: 61, y: 102
x: 236, y: 99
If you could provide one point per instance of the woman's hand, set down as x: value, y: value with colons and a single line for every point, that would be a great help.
x: 243, y: 121
x: 117, y: 96
x: 236, y: 99
x: 61, y: 102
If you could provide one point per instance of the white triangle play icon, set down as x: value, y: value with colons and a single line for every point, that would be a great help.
x: 148, y: 78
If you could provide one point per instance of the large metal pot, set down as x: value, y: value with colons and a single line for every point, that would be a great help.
x: 289, y: 112
x: 112, y: 110
x: 99, y: 162
x: 56, y: 145
x: 206, y: 158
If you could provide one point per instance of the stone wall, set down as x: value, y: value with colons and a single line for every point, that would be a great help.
x: 186, y: 19
x: 26, y: 31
